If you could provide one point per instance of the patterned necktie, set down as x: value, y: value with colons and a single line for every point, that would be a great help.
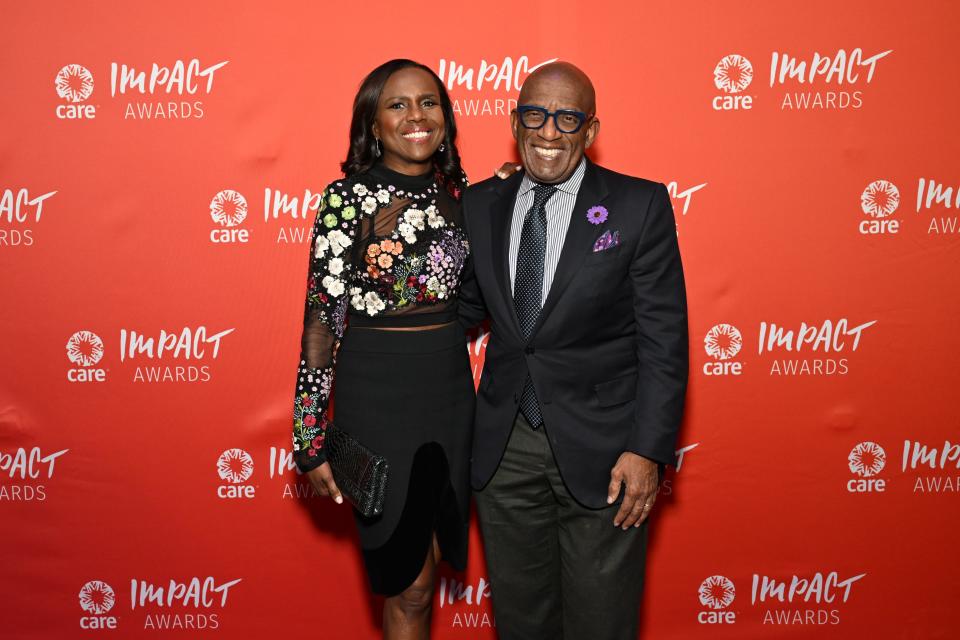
x: 528, y: 285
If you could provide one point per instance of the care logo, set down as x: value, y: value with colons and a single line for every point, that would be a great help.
x: 74, y: 83
x: 717, y: 593
x: 97, y: 598
x: 235, y: 466
x: 866, y: 460
x: 228, y: 209
x: 732, y: 75
x: 879, y: 201
x: 722, y: 343
x: 85, y: 350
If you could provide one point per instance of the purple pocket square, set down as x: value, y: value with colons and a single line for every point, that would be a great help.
x: 608, y: 240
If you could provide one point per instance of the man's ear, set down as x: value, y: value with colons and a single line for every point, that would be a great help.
x: 515, y: 123
x: 593, y: 129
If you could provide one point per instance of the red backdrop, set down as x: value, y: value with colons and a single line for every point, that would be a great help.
x: 812, y: 152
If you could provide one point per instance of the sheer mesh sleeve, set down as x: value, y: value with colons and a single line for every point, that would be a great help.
x: 324, y: 318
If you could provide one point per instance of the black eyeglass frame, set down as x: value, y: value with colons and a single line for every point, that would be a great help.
x: 527, y: 108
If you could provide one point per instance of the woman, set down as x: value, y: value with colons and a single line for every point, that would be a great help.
x: 388, y: 250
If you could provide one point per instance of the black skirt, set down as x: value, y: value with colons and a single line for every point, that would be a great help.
x: 409, y: 396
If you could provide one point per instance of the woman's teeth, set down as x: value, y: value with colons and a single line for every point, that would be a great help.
x: 416, y: 135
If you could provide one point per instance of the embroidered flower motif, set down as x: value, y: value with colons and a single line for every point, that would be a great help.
x: 335, y: 200
x: 385, y: 260
x: 360, y: 189
x: 339, y: 325
x: 320, y: 247
x: 373, y: 303
x: 433, y: 220
x: 597, y: 214
x: 335, y: 266
x: 387, y: 245
x: 334, y: 286
x: 397, y: 248
x: 338, y: 241
x: 369, y: 204
x: 407, y: 231
x: 415, y: 217
x: 383, y: 196
x: 330, y: 220
x: 356, y: 299
x: 348, y: 213
x: 373, y: 250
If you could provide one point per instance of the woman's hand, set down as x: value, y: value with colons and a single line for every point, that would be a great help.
x: 322, y: 480
x: 507, y: 169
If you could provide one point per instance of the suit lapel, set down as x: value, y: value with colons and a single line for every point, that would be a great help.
x: 581, y: 235
x: 502, y: 210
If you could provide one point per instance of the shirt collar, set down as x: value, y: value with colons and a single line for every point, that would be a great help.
x: 571, y: 185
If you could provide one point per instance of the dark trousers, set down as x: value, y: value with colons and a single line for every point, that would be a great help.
x: 557, y: 569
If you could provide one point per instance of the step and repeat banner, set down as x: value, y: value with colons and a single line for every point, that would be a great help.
x: 160, y: 168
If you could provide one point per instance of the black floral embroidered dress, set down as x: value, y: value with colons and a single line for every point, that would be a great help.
x: 384, y: 245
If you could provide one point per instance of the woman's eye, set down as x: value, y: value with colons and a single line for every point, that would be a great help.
x: 396, y: 105
x: 429, y: 103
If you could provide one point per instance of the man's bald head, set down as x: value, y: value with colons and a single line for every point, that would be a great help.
x: 549, y: 155
x: 563, y: 72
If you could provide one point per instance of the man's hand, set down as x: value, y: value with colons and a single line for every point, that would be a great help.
x: 322, y: 480
x: 640, y: 476
x: 507, y: 169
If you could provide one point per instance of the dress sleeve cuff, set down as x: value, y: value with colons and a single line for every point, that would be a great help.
x: 305, y: 462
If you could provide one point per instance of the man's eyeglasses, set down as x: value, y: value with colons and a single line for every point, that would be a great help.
x: 566, y: 120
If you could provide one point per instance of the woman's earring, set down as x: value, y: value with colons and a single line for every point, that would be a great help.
x: 378, y: 152
x: 441, y: 148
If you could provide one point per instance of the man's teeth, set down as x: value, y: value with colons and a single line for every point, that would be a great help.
x: 549, y: 154
x: 417, y: 135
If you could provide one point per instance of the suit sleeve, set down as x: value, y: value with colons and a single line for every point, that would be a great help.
x: 471, y: 308
x: 660, y: 312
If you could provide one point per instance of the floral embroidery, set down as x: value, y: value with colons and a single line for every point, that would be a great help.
x: 407, y: 231
x: 419, y: 262
x: 320, y: 246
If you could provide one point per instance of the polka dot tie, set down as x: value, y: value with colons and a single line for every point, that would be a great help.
x: 528, y: 285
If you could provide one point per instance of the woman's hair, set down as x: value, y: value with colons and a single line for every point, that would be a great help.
x: 362, y: 153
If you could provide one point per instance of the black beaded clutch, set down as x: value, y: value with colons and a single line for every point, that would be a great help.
x: 360, y: 474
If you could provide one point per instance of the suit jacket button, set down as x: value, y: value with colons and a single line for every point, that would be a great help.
x: 529, y: 351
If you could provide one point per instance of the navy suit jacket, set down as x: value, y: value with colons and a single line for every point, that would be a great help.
x: 608, y: 357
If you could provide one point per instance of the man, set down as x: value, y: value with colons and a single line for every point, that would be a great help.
x: 583, y: 387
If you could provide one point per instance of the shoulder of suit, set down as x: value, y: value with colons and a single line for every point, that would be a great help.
x: 483, y: 186
x: 481, y: 192
x: 618, y: 180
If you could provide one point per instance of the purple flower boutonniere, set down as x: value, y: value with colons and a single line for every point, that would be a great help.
x: 597, y: 214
